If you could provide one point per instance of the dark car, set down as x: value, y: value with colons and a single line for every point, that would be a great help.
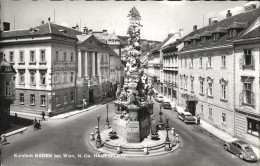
x: 241, y: 149
x: 167, y: 105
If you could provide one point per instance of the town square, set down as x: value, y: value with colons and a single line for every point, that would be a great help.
x: 130, y: 83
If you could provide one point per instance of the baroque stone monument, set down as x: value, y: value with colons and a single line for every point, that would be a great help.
x: 132, y: 119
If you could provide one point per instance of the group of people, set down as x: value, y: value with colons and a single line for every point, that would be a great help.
x: 37, y: 123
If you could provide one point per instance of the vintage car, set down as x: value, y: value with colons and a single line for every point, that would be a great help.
x: 241, y: 149
x: 186, y: 117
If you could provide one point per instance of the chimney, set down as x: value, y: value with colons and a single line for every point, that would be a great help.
x: 90, y: 31
x: 85, y: 30
x: 194, y: 28
x: 249, y: 6
x: 104, y: 31
x: 6, y: 26
x: 42, y: 22
x: 229, y: 14
x: 77, y: 27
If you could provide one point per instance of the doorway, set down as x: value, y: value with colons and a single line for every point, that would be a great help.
x: 91, y: 96
x: 192, y: 107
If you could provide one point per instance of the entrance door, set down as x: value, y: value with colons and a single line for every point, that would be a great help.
x: 192, y: 107
x: 91, y: 96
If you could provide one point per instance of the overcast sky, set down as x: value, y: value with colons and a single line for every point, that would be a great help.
x: 158, y: 18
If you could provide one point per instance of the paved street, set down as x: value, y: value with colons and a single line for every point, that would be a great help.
x: 70, y: 136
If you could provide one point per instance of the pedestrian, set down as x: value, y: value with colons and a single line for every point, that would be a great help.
x: 16, y: 120
x: 39, y: 124
x: 43, y: 115
x: 198, y: 119
x: 3, y: 139
x: 35, y: 124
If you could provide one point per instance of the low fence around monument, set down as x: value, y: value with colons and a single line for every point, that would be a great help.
x: 131, y: 149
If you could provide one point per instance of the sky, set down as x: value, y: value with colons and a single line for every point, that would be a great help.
x: 158, y: 18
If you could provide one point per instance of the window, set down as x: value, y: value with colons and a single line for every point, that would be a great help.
x: 72, y: 96
x: 201, y: 64
x: 7, y: 88
x: 210, y: 89
x: 181, y: 83
x: 253, y: 127
x: 21, y: 80
x: 186, y: 84
x: 21, y: 98
x: 191, y: 63
x: 43, y: 100
x: 216, y: 36
x: 191, y: 85
x: 201, y: 109
x: 11, y: 57
x: 21, y: 56
x: 32, y: 78
x: 42, y: 55
x: 210, y: 112
x: 65, y: 98
x: 65, y: 77
x: 71, y: 76
x: 224, y: 92
x: 232, y: 33
x: 248, y: 57
x: 65, y: 57
x: 57, y: 100
x: 32, y: 56
x: 248, y: 93
x: 43, y: 75
x: 209, y: 62
x: 72, y: 57
x: 57, y: 56
x: 194, y: 42
x: 201, y: 87
x: 224, y: 117
x: 32, y: 99
x: 203, y: 39
x: 223, y: 61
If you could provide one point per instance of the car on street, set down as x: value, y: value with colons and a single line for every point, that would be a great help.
x: 186, y: 117
x: 241, y: 149
x: 159, y: 98
x: 167, y: 105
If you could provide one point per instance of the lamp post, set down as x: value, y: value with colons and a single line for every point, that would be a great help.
x: 160, y: 122
x: 107, y: 121
x: 167, y: 129
x: 98, y: 142
x: 167, y: 141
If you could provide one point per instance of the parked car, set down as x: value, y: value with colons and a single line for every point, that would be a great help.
x: 186, y: 117
x: 167, y: 105
x: 241, y: 149
x: 159, y: 98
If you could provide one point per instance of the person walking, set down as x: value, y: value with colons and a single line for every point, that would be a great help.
x: 198, y: 119
x: 3, y: 139
x: 43, y: 115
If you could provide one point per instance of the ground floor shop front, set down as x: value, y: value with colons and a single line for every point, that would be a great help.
x: 247, y: 126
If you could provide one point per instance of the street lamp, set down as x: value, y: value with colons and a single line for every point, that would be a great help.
x: 167, y: 141
x: 107, y: 121
x: 167, y: 129
x: 160, y: 122
x: 98, y: 142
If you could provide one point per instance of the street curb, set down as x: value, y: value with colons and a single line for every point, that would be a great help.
x: 72, y: 114
x: 16, y: 131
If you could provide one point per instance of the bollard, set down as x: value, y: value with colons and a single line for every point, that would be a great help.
x: 91, y: 138
x: 177, y: 138
x: 107, y: 126
x: 118, y: 149
x: 145, y: 149
x: 167, y: 146
x: 172, y: 131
